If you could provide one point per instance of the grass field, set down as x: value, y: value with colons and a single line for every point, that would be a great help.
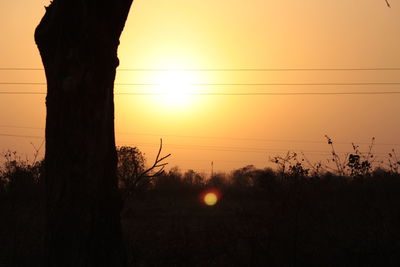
x: 273, y: 219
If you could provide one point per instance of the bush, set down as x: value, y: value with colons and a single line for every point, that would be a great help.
x: 19, y: 178
x: 131, y: 164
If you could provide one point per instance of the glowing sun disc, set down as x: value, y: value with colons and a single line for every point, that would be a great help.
x: 174, y: 88
x: 210, y: 199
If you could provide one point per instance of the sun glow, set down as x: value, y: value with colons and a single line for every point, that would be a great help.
x: 174, y: 89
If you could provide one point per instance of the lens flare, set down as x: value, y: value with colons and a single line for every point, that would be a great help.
x: 210, y: 199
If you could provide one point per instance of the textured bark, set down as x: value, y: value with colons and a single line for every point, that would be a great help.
x: 78, y: 41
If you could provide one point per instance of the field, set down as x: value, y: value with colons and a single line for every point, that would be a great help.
x: 262, y: 218
x: 326, y: 227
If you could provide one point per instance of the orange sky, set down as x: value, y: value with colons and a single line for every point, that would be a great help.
x: 232, y: 131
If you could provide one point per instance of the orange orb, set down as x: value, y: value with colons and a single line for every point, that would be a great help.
x: 210, y: 199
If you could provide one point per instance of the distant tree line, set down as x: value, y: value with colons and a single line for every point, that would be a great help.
x: 24, y: 179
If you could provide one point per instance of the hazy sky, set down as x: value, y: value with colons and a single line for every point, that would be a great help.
x: 231, y: 130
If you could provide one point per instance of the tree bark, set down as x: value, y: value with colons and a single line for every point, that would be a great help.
x: 78, y: 41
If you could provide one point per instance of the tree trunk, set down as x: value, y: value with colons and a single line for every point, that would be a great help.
x: 78, y: 41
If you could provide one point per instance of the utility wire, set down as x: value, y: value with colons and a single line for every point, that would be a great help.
x: 257, y: 69
x: 22, y: 136
x: 235, y: 94
x: 242, y: 149
x: 223, y: 137
x: 231, y: 84
x: 20, y: 69
x: 226, y: 69
x: 274, y: 94
x: 255, y: 139
x: 203, y: 147
x: 21, y: 127
x: 22, y: 93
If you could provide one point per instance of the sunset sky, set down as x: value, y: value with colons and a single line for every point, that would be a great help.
x: 200, y: 73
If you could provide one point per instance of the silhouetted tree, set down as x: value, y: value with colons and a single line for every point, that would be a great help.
x: 131, y: 164
x: 132, y: 174
x: 78, y: 41
x: 264, y: 179
x: 170, y: 181
x: 217, y: 180
x: 242, y: 177
x: 193, y: 178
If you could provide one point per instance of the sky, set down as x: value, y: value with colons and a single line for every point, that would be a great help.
x: 229, y: 82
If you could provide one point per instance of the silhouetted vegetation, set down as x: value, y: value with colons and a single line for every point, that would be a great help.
x: 344, y: 213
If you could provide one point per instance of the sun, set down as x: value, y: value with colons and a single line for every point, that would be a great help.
x: 174, y: 89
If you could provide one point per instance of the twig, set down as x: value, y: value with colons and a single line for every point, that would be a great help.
x: 157, y: 164
x: 336, y: 158
x: 36, y: 152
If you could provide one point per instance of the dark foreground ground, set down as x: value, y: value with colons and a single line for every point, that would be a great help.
x: 312, y: 223
x: 248, y: 229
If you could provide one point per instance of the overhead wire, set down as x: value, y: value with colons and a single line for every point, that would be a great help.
x: 22, y: 136
x: 225, y: 69
x: 243, y: 149
x: 266, y: 140
x: 273, y: 94
x: 210, y: 148
x: 233, y: 84
x: 233, y: 94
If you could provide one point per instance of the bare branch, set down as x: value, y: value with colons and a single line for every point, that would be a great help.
x: 158, y: 168
x: 36, y: 152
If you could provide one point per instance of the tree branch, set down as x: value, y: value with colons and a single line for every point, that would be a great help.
x: 147, y: 173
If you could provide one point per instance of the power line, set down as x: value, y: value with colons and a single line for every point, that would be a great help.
x: 23, y: 83
x: 22, y: 136
x: 241, y: 149
x: 232, y: 84
x: 234, y: 94
x: 20, y: 69
x: 230, y: 138
x: 226, y: 69
x: 255, y: 139
x: 297, y: 141
x: 201, y: 147
x: 22, y: 93
x: 274, y: 94
x: 266, y: 84
x: 214, y: 148
x: 258, y: 69
x: 21, y: 127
